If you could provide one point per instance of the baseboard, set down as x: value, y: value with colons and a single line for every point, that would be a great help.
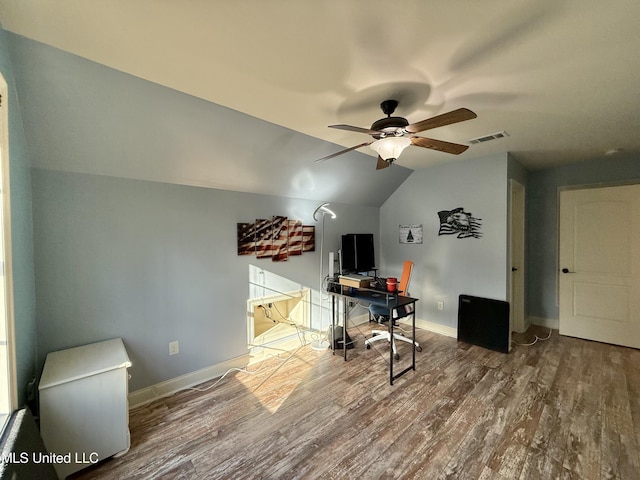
x: 553, y: 323
x: 422, y: 324
x: 432, y: 327
x: 169, y: 387
x: 146, y: 395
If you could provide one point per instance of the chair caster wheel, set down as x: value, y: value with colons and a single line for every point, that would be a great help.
x: 396, y: 356
x: 374, y: 334
x: 368, y: 346
x: 418, y: 348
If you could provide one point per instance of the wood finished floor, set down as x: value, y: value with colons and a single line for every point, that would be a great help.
x: 563, y: 408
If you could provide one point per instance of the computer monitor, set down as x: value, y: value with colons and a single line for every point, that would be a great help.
x: 358, y: 254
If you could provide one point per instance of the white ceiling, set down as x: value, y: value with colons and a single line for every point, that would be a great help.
x: 561, y: 77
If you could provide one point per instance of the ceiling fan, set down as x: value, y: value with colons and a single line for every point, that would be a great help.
x: 392, y: 135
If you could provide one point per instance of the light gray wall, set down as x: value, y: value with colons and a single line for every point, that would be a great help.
x: 446, y: 266
x: 542, y: 223
x: 21, y: 233
x: 145, y: 258
x: 153, y: 262
x: 97, y: 127
x: 84, y: 117
x: 516, y: 171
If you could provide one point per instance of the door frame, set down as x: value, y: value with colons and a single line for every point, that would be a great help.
x: 517, y: 256
x: 10, y: 390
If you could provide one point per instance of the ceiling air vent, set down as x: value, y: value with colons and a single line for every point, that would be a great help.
x: 487, y: 138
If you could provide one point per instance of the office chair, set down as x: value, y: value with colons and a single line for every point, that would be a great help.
x: 381, y: 314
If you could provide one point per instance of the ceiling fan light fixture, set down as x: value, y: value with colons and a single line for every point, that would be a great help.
x: 390, y: 148
x: 391, y: 135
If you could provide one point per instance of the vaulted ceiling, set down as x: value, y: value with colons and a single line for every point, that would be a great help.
x: 559, y: 77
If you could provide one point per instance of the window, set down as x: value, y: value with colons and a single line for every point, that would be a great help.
x: 8, y: 390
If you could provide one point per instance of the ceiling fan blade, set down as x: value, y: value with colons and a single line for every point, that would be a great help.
x: 440, y: 145
x: 455, y: 116
x: 343, y: 151
x: 381, y: 163
x: 355, y: 129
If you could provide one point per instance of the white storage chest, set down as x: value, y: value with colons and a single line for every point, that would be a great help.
x: 84, y: 412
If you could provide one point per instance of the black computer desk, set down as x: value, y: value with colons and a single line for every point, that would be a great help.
x: 370, y: 296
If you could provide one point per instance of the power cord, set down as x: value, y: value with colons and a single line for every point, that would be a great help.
x: 299, y: 331
x: 268, y: 314
x: 535, y: 340
x: 249, y: 372
x: 284, y: 319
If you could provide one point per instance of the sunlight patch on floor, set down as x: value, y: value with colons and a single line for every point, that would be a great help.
x: 267, y: 382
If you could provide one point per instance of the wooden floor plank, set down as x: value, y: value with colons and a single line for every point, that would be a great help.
x: 560, y: 408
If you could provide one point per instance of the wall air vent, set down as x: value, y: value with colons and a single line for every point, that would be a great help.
x: 487, y: 138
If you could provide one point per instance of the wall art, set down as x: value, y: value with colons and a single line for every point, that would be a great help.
x: 411, y: 234
x: 295, y: 237
x: 280, y: 236
x: 308, y: 238
x: 264, y: 238
x: 459, y: 222
x: 246, y: 239
x: 277, y: 238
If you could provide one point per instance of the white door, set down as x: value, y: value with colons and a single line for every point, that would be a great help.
x: 516, y: 257
x: 600, y: 264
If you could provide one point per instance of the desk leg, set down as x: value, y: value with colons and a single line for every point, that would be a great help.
x: 333, y: 324
x: 391, y: 347
x: 344, y: 327
x: 413, y: 327
x: 413, y: 352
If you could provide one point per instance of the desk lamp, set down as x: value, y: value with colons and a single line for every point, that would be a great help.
x: 319, y: 213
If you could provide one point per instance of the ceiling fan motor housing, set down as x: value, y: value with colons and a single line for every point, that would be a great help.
x: 390, y: 126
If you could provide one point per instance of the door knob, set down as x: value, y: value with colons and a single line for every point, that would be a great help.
x: 514, y: 269
x: 566, y: 270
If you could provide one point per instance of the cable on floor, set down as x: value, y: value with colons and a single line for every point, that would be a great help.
x: 269, y: 315
x: 535, y: 340
x: 244, y: 370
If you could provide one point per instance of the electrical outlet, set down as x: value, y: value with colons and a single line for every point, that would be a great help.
x: 440, y: 305
x: 174, y: 347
